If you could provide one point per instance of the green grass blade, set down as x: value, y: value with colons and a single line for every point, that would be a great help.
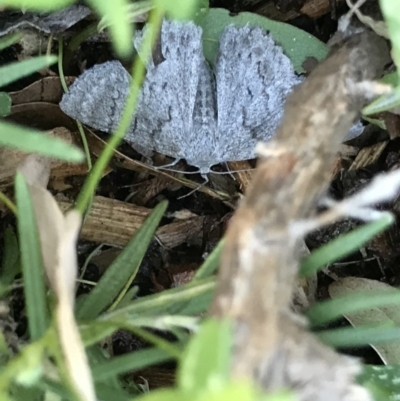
x: 5, y: 104
x: 116, y: 12
x: 211, y: 264
x: 32, y: 141
x: 129, y: 363
x: 359, y: 336
x: 37, y: 5
x: 9, y: 40
x: 31, y: 260
x: 383, y: 103
x: 14, y: 71
x: 10, y: 265
x: 172, y: 301
x: 343, y: 246
x: 327, y: 311
x: 391, y: 12
x: 125, y: 266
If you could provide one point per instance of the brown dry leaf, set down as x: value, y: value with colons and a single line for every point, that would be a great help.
x: 114, y: 222
x: 389, y: 352
x: 58, y: 236
x: 152, y: 187
x: 48, y: 89
x: 10, y: 159
x: 243, y: 177
x: 368, y: 155
x: 36, y: 170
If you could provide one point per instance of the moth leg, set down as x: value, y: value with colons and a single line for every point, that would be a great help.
x: 165, y: 166
x: 196, y: 189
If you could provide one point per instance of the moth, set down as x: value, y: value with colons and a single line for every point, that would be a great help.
x: 186, y: 109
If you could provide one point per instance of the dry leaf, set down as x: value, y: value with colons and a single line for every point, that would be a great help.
x: 58, y: 236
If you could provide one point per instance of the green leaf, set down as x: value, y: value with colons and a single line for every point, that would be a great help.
x: 180, y: 9
x: 120, y: 28
x: 128, y: 363
x: 14, y: 71
x: 392, y: 78
x: 37, y: 5
x: 205, y: 365
x: 391, y: 12
x: 32, y: 141
x: 343, y: 245
x: 124, y: 267
x: 133, y: 11
x: 385, y: 379
x: 5, y: 104
x: 383, y: 103
x: 327, y: 311
x: 211, y: 263
x: 297, y: 44
x: 379, y: 315
x: 25, y: 368
x: 360, y: 336
x: 9, y: 40
x: 32, y: 265
x: 10, y: 265
x: 170, y: 301
x: 163, y: 395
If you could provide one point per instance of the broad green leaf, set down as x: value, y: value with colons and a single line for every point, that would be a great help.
x: 117, y: 17
x: 298, y: 45
x: 386, y: 379
x: 376, y: 316
x: 14, y: 71
x: 32, y: 141
x: 128, y: 363
x: 125, y: 266
x: 211, y: 263
x: 206, y: 362
x: 9, y: 40
x: 10, y: 264
x: 343, y: 245
x: 31, y: 260
x: 391, y: 12
x: 5, y: 104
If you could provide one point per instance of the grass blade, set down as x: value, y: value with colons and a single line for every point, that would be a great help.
x: 129, y: 363
x: 14, y: 71
x: 343, y: 246
x: 327, y: 311
x: 31, y: 260
x: 32, y: 141
x: 123, y: 268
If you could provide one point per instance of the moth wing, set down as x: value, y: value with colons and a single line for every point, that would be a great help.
x: 164, y: 115
x: 97, y: 97
x: 253, y: 77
